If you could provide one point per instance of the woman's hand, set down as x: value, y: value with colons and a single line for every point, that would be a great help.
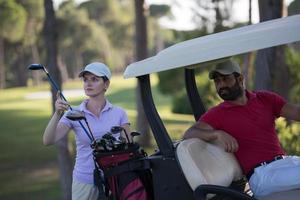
x: 60, y: 105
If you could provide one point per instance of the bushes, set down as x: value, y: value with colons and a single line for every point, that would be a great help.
x: 288, y: 133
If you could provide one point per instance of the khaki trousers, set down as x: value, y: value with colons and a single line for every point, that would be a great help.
x: 82, y: 191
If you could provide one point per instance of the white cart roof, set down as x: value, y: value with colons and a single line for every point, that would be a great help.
x: 220, y: 45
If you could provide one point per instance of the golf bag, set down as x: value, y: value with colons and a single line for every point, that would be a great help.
x: 126, y: 172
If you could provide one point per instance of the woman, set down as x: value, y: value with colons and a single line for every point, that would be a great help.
x: 101, y: 116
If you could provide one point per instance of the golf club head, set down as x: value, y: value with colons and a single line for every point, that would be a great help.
x: 75, y: 115
x: 36, y: 66
x: 134, y: 133
x: 116, y: 129
x: 108, y: 136
x: 99, y: 145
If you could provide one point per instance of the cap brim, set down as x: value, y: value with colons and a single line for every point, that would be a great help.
x: 212, y: 74
x: 85, y: 71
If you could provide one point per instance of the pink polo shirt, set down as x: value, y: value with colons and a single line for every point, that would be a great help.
x: 109, y: 116
x: 252, y: 125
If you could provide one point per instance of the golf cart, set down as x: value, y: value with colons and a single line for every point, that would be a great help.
x: 193, y: 168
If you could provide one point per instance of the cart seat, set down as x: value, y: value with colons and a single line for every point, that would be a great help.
x: 205, y: 163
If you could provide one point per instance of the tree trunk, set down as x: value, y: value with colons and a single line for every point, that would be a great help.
x: 2, y: 64
x: 141, y: 47
x: 36, y: 76
x: 64, y: 158
x: 63, y: 69
x: 79, y: 62
x: 248, y: 56
x: 272, y: 72
x: 219, y: 18
x: 20, y: 78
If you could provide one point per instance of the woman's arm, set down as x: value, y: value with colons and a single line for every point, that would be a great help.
x: 55, y: 130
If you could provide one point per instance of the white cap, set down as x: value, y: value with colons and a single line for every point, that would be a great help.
x: 98, y: 69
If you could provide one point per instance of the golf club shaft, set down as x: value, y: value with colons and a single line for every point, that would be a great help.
x: 127, y: 137
x: 87, y: 124
x: 56, y: 86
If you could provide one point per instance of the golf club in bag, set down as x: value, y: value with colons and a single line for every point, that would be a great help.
x: 127, y: 173
x: 125, y: 168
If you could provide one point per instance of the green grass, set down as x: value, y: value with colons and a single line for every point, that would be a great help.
x: 28, y: 170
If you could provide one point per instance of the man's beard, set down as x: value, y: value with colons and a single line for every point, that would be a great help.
x: 231, y: 93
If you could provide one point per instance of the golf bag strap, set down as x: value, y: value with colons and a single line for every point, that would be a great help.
x: 99, y: 180
x: 128, y: 167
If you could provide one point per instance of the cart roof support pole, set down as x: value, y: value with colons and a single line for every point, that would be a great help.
x: 162, y: 138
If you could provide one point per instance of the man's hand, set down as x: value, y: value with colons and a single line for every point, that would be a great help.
x: 226, y: 141
x: 207, y: 133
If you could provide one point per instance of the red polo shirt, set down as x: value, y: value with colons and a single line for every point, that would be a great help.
x: 253, y: 126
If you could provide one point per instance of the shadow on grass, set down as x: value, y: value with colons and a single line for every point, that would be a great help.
x: 35, y: 183
x: 27, y: 169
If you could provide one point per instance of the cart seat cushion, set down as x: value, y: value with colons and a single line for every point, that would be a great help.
x: 206, y: 163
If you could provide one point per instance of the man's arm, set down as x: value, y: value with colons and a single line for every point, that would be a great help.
x: 290, y: 111
x: 205, y: 132
x: 202, y: 131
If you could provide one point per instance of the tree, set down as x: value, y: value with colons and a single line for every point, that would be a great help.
x: 141, y: 53
x: 272, y: 73
x: 12, y: 27
x: 212, y: 14
x: 25, y: 51
x: 29, y: 43
x: 116, y: 19
x: 248, y: 57
x: 81, y: 39
x: 294, y: 9
x: 50, y: 34
x: 157, y: 11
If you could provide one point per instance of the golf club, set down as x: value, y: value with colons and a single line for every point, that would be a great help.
x: 134, y: 133
x: 53, y: 83
x: 51, y: 80
x: 119, y: 129
x: 76, y: 115
x: 108, y: 141
x: 99, y: 145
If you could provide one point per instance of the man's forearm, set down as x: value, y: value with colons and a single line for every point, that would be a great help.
x: 204, y: 134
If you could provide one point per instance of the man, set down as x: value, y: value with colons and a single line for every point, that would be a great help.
x: 244, y: 124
